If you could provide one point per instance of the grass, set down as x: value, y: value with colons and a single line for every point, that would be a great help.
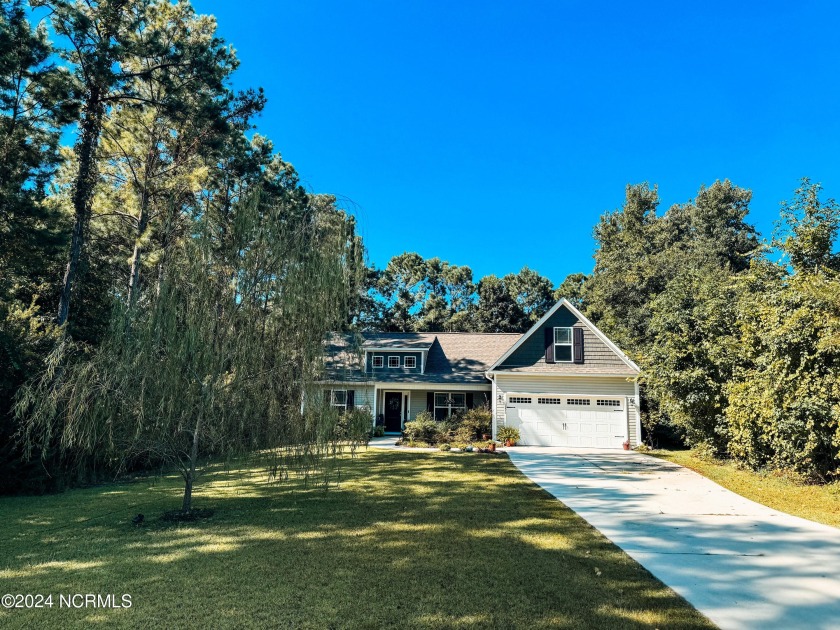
x: 407, y: 540
x: 786, y: 493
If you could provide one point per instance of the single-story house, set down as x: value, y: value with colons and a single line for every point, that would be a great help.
x: 562, y: 383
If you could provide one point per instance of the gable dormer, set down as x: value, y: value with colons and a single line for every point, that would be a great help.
x: 565, y: 341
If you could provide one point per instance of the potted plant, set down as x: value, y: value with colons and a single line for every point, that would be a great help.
x: 508, y: 435
x: 626, y: 445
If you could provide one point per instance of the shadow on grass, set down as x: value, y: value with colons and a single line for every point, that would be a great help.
x: 406, y: 540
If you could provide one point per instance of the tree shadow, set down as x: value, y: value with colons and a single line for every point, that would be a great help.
x: 406, y: 540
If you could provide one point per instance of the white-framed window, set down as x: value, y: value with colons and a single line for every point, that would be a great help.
x: 393, y: 361
x: 447, y: 403
x: 520, y: 400
x: 563, y: 352
x: 549, y: 401
x: 338, y: 398
x: 410, y: 362
x: 378, y: 362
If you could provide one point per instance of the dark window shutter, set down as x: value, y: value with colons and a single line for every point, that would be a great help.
x: 351, y: 398
x: 578, y: 344
x: 328, y: 396
x: 470, y: 400
x: 430, y: 402
x: 549, y: 345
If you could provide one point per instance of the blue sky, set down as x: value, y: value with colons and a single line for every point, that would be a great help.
x: 494, y: 135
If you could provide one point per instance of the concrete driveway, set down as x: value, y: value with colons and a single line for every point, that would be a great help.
x: 741, y: 564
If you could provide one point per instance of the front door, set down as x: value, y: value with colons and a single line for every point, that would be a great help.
x: 393, y: 412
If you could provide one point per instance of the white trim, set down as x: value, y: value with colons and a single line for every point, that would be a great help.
x: 637, y: 404
x: 457, y: 387
x: 405, y: 361
x: 423, y: 361
x: 627, y: 377
x: 493, y: 407
x: 375, y: 405
x: 392, y: 356
x: 571, y: 343
x: 373, y: 362
x: 579, y: 315
x: 398, y: 349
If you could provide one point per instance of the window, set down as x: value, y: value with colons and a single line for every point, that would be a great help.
x: 393, y: 362
x: 378, y: 362
x: 520, y: 400
x: 339, y: 399
x: 608, y: 403
x: 447, y: 403
x: 578, y: 401
x: 410, y: 362
x: 563, y: 344
x: 549, y: 401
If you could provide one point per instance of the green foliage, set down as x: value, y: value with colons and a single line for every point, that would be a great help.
x: 505, y: 433
x: 354, y: 426
x: 807, y: 230
x: 472, y: 424
x: 424, y: 428
x: 784, y: 398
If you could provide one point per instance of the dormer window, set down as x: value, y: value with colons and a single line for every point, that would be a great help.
x: 410, y: 362
x: 378, y: 362
x: 393, y: 362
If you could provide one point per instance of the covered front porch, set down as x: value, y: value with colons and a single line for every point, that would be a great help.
x: 396, y: 404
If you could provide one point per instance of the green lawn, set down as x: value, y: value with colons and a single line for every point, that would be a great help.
x: 427, y: 540
x: 780, y: 492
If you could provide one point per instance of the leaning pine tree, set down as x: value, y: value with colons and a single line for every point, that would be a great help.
x: 217, y: 360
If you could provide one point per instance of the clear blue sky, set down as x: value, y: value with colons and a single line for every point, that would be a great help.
x: 495, y: 134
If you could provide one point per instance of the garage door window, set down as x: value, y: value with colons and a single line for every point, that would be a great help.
x: 578, y: 401
x: 520, y: 400
x: 550, y: 401
x: 604, y: 402
x: 563, y: 344
x: 447, y: 404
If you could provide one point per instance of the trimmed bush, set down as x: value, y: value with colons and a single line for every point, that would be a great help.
x: 473, y: 423
x: 424, y: 428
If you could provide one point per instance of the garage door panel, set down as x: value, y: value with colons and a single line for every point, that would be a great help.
x: 567, y: 425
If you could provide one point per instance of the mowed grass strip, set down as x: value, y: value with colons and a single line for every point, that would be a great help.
x: 783, y: 492
x: 407, y: 540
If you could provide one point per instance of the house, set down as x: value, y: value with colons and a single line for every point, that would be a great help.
x: 562, y: 383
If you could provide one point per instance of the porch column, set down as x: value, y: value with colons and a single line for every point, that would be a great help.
x: 375, y: 403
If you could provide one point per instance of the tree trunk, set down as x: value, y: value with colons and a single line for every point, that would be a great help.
x: 189, y: 476
x: 83, y: 188
x: 136, y: 256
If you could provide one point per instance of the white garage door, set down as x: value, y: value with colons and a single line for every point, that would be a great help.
x: 545, y: 420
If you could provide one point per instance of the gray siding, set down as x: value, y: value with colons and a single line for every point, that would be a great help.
x: 585, y: 386
x: 596, y: 354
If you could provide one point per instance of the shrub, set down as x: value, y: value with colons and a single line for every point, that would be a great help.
x: 474, y: 423
x: 508, y: 433
x: 354, y: 425
x: 378, y: 431
x: 424, y: 428
x: 445, y: 447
